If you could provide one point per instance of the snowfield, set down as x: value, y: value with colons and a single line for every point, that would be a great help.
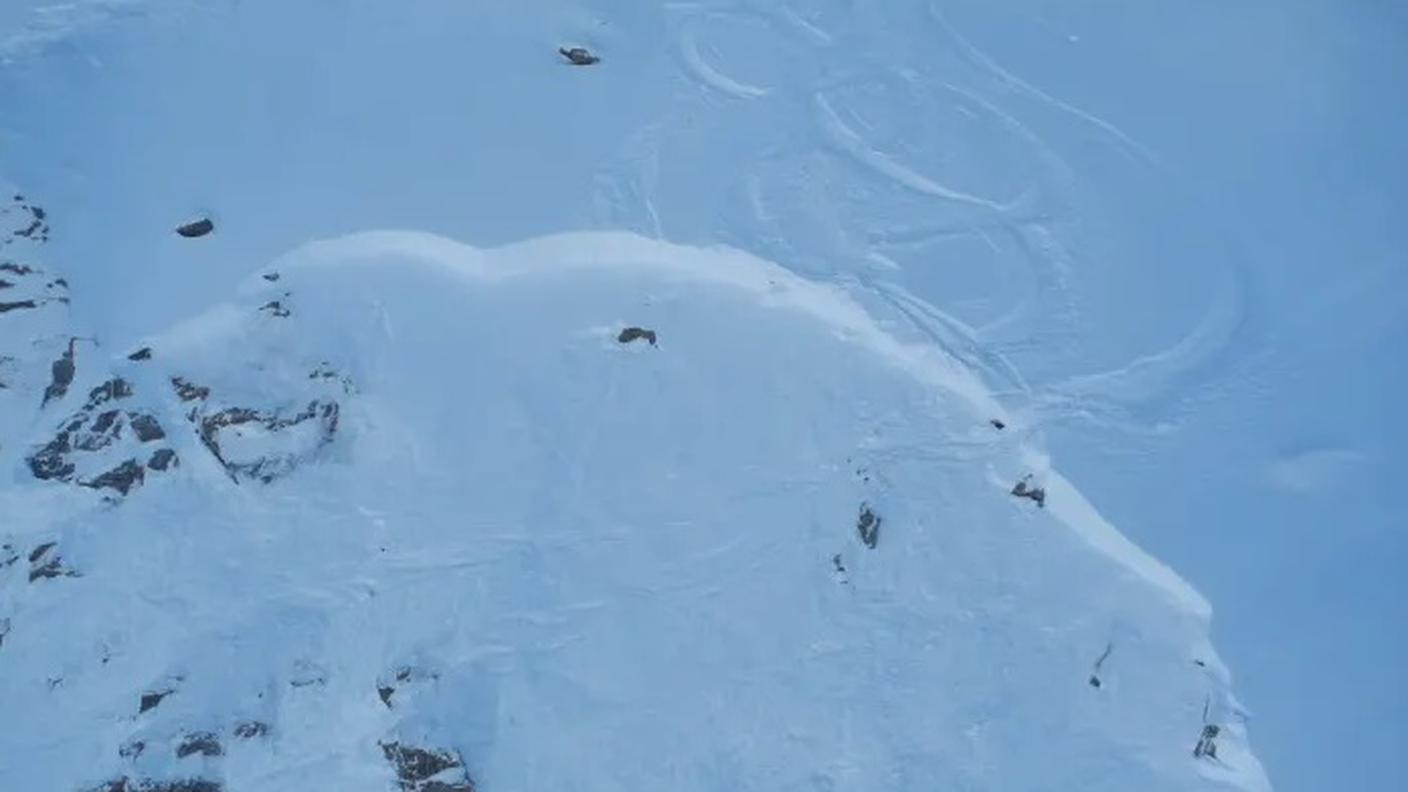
x: 696, y: 432
x: 574, y: 561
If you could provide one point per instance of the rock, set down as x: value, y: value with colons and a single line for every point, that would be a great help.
x: 1024, y: 489
x: 115, y: 388
x: 578, y: 56
x: 186, y: 391
x: 996, y: 424
x: 270, y: 276
x: 203, y: 743
x: 163, y: 459
x: 132, y: 750
x: 198, y: 228
x: 146, y: 427
x: 1207, y: 742
x: 636, y: 333
x: 145, y: 353
x: 45, y: 564
x: 6, y: 307
x: 4, y: 631
x: 251, y: 729
x: 868, y: 526
x: 415, y: 767
x: 61, y: 376
x: 276, y: 309
x: 122, y: 478
x: 152, y: 698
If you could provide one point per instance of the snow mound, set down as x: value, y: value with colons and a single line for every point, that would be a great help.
x: 438, y: 521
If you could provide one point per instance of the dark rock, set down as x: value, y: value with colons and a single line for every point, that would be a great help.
x: 996, y: 424
x: 185, y: 785
x: 51, y: 461
x: 16, y: 269
x: 1023, y: 489
x: 132, y: 750
x: 868, y: 526
x: 270, y: 276
x: 196, y: 229
x: 186, y: 391
x: 416, y: 765
x: 8, y: 555
x: 152, y: 698
x: 145, y: 353
x: 6, y: 307
x: 39, y: 551
x: 276, y: 308
x: 44, y: 564
x: 251, y: 729
x: 122, y: 478
x: 385, y: 692
x: 163, y: 459
x: 635, y: 333
x: 1207, y: 742
x: 1094, y: 681
x: 578, y: 56
x: 115, y: 388
x: 38, y: 212
x: 146, y: 427
x: 61, y: 376
x: 50, y: 569
x: 4, y: 284
x: 203, y: 743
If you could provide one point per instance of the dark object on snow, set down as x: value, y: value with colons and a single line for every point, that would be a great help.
x: 122, y: 478
x: 145, y: 353
x: 196, y: 229
x: 203, y: 743
x: 148, y: 785
x: 578, y: 56
x: 162, y: 459
x: 416, y: 766
x: 1095, y: 674
x: 636, y: 333
x: 132, y: 750
x: 151, y: 699
x: 1023, y: 489
x: 251, y: 729
x: 61, y: 376
x: 276, y: 308
x: 270, y: 276
x: 1207, y: 742
x: 868, y: 526
x: 186, y: 391
x: 996, y: 424
x: 147, y: 427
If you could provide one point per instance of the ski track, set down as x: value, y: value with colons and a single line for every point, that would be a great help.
x: 853, y: 144
x: 985, y: 62
x: 697, y: 66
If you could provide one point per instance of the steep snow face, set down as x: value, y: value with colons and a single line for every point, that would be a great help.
x: 432, y: 519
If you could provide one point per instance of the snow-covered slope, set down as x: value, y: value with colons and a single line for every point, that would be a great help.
x: 423, y: 495
x: 403, y: 510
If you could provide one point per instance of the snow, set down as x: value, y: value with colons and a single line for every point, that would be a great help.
x: 861, y: 231
x: 612, y: 563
